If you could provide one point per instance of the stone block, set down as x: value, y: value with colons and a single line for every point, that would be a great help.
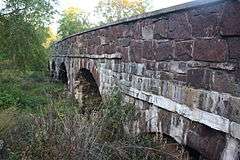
x: 160, y: 30
x: 136, y: 30
x: 199, y: 78
x: 148, y: 50
x: 234, y: 104
x: 147, y: 32
x: 212, y: 50
x: 136, y: 51
x: 215, y: 102
x: 223, y: 82
x: 205, y: 21
x: 150, y: 65
x: 163, y: 50
x: 146, y: 85
x: 118, y: 31
x: 124, y: 52
x: 235, y: 130
x: 133, y: 69
x: 179, y: 27
x: 231, y: 19
x: 234, y: 47
x: 191, y: 98
x: 183, y: 51
x: 124, y: 42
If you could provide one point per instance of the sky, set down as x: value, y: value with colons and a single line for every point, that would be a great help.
x: 89, y: 5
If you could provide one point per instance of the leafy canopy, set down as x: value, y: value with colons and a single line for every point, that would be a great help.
x: 112, y: 10
x: 23, y: 32
x: 73, y: 20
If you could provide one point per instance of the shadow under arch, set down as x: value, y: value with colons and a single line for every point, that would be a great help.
x: 53, y: 69
x: 86, y: 91
x: 62, y: 74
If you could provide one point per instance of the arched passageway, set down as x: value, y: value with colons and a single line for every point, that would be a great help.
x: 62, y: 75
x: 86, y: 91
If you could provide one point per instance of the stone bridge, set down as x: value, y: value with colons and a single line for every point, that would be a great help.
x: 179, y: 66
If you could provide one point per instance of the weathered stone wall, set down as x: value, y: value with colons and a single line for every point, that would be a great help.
x: 179, y: 66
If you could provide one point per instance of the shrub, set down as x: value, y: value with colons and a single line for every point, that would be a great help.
x: 67, y: 134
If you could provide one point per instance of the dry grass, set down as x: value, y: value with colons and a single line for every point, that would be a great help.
x: 67, y: 134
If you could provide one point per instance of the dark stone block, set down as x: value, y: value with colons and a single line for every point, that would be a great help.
x: 118, y: 31
x: 205, y: 21
x: 231, y: 19
x: 163, y: 50
x: 148, y: 50
x: 212, y: 50
x: 160, y: 30
x: 183, y: 51
x: 136, y: 30
x: 150, y: 65
x: 179, y: 27
x: 91, y: 49
x: 208, y: 142
x: 223, y: 82
x: 124, y: 52
x: 136, y: 51
x: 234, y: 47
x: 124, y: 42
x: 199, y: 78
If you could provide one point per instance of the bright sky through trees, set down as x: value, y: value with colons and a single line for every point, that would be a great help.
x: 89, y: 5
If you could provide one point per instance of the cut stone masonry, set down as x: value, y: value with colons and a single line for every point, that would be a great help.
x: 179, y: 66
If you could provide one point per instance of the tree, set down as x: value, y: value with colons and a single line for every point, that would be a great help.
x: 23, y: 31
x: 113, y: 10
x: 73, y: 20
x: 52, y: 37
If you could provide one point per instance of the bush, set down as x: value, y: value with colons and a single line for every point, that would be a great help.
x: 64, y: 133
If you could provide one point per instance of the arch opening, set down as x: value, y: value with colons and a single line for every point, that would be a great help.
x: 86, y: 91
x: 62, y: 75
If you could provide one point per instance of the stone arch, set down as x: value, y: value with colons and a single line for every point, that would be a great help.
x: 62, y: 74
x: 86, y: 91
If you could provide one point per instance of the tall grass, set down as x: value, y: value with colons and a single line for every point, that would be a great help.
x: 68, y: 134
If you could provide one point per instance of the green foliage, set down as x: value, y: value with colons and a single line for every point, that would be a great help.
x: 23, y: 32
x: 26, y: 91
x: 112, y: 10
x: 73, y: 20
x: 116, y: 114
